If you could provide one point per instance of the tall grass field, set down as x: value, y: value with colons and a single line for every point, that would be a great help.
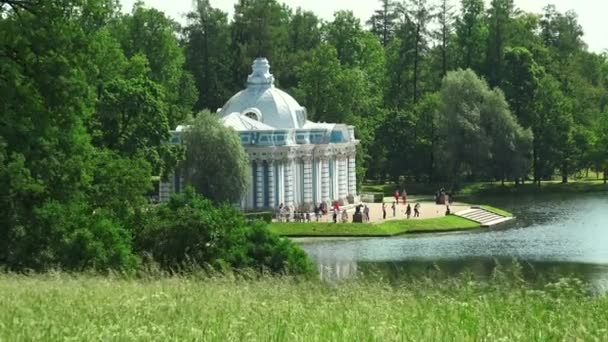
x: 59, y: 307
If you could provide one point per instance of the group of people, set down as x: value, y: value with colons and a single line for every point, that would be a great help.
x: 361, y: 214
x: 443, y: 197
x: 408, y: 210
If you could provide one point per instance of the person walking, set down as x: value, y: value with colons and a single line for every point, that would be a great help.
x: 383, y: 211
x: 394, y: 207
x: 397, y: 196
x: 417, y: 210
x: 344, y: 216
x: 408, y: 211
x: 366, y: 212
x: 404, y: 197
x: 335, y: 215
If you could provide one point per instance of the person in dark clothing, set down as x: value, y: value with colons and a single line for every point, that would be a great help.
x: 408, y: 211
x: 383, y: 211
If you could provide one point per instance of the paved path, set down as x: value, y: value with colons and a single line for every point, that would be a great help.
x: 427, y: 210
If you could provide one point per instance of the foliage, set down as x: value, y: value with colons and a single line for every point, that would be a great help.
x: 206, y: 41
x: 90, y: 95
x: 149, y: 32
x: 479, y: 132
x: 191, y: 229
x: 216, y: 164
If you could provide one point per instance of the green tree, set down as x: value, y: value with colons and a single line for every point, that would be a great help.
x: 500, y: 16
x: 46, y: 155
x: 259, y: 29
x: 480, y: 137
x: 522, y: 78
x: 304, y: 35
x: 206, y: 41
x: 472, y: 33
x: 132, y: 117
x: 444, y: 33
x: 552, y: 129
x: 150, y: 33
x: 420, y: 14
x: 383, y: 22
x: 216, y: 164
x: 345, y: 33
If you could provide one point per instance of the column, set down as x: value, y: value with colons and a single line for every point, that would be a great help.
x: 334, y: 179
x: 281, y: 182
x: 325, y: 196
x: 307, y: 179
x: 352, y: 175
x: 318, y: 181
x: 342, y: 178
x: 288, y: 168
x: 271, y: 185
x: 251, y: 192
x: 259, y: 184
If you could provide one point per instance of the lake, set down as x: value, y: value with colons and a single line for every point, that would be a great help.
x: 553, y: 236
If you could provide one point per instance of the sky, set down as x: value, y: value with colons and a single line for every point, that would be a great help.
x: 592, y: 13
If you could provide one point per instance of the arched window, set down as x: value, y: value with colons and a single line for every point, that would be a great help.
x: 252, y: 115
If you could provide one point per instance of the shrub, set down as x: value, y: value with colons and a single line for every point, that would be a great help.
x: 190, y: 229
x: 72, y: 237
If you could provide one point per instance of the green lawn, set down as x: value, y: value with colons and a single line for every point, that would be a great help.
x: 388, y: 228
x: 60, y: 307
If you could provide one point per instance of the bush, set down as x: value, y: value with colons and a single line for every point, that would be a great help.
x: 265, y: 216
x: 71, y: 237
x: 191, y: 230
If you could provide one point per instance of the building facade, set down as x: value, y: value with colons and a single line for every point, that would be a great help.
x: 294, y: 162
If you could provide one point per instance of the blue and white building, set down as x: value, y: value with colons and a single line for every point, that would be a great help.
x: 294, y: 161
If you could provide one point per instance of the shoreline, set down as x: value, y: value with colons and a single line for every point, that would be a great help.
x: 389, y: 228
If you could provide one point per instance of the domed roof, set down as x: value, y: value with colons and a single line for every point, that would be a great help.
x: 263, y: 102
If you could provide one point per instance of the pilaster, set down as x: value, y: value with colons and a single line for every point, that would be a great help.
x: 325, y: 196
x: 307, y: 162
x: 288, y: 173
x: 259, y: 184
x: 271, y: 185
x: 352, y: 174
x: 342, y: 177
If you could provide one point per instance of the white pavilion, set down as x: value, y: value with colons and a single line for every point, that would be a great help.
x: 294, y: 162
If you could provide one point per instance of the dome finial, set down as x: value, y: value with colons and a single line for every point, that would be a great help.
x: 260, y: 74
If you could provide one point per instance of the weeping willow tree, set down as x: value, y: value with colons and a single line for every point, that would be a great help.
x: 216, y: 164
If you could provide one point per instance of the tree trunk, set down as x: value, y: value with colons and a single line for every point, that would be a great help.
x: 605, y: 175
x: 565, y: 172
x: 535, y: 163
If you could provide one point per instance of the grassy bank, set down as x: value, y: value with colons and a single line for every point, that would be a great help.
x: 485, y: 188
x: 387, y: 228
x: 53, y: 308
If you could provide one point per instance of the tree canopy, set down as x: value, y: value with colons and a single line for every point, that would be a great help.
x: 215, y: 164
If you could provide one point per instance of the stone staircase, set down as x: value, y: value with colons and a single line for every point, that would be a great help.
x: 484, y: 217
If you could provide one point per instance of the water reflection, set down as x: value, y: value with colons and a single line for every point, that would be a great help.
x: 553, y: 236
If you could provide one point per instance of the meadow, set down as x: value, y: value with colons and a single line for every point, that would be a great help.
x: 55, y: 307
